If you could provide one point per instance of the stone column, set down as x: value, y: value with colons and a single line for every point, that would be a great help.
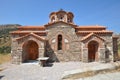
x: 13, y: 56
x: 14, y: 52
x: 41, y: 52
x: 19, y: 53
x: 85, y: 55
x: 102, y: 58
x: 115, y: 48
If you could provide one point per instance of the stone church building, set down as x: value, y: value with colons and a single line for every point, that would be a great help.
x: 61, y: 40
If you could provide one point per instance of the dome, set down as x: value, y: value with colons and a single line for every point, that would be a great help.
x: 61, y: 15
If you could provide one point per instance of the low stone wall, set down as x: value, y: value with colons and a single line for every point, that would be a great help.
x: 90, y: 71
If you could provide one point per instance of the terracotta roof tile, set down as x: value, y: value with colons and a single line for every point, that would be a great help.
x: 19, y: 32
x: 90, y: 28
x: 106, y: 31
x: 73, y: 25
x: 31, y: 28
x: 32, y: 34
x: 89, y: 35
x: 94, y: 26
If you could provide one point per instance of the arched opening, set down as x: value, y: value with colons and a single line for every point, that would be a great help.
x: 92, y: 50
x: 59, y: 42
x: 61, y: 17
x: 53, y: 19
x: 30, y: 51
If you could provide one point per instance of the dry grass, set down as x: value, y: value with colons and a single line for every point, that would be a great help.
x: 4, y: 58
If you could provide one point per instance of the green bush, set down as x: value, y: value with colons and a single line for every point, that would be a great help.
x: 5, y: 49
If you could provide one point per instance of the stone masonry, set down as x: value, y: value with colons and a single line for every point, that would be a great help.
x: 61, y: 40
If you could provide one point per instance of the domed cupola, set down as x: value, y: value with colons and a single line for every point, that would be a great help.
x: 61, y: 15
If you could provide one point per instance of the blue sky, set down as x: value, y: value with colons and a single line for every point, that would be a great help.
x: 86, y: 12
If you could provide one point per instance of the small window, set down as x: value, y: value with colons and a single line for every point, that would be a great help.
x: 68, y: 20
x: 59, y: 42
x: 61, y: 18
x: 53, y: 19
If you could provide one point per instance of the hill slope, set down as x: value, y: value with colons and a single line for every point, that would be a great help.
x: 5, y: 39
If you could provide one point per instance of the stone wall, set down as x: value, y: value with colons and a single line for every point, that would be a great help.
x: 71, y: 44
x: 18, y: 56
x: 115, y: 48
x: 105, y: 51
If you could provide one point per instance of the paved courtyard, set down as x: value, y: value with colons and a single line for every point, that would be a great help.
x: 107, y: 76
x: 32, y: 71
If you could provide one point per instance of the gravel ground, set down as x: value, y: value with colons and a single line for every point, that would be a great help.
x: 107, y: 76
x: 33, y: 71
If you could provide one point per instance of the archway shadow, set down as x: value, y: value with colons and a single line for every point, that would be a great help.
x: 49, y: 64
x: 107, y: 54
x: 1, y: 77
x: 49, y: 52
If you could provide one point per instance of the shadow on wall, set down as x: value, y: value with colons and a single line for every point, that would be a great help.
x: 107, y: 53
x: 49, y: 52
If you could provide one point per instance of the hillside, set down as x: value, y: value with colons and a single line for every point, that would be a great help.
x: 5, y: 39
x: 10, y: 26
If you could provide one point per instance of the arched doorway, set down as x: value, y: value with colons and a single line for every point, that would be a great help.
x: 30, y: 50
x: 92, y: 50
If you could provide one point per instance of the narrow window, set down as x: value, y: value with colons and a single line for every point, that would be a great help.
x: 61, y: 18
x: 59, y: 42
x: 69, y: 20
x: 53, y: 19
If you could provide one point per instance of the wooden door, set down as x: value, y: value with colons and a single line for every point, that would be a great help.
x: 92, y: 50
x: 33, y: 50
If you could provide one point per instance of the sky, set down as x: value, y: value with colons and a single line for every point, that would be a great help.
x: 86, y: 12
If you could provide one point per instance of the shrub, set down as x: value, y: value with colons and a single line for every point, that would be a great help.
x: 5, y: 49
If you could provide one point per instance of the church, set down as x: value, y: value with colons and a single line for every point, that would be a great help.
x: 61, y: 40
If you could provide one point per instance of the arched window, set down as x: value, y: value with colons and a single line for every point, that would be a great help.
x: 68, y: 20
x: 60, y: 17
x: 53, y: 19
x: 59, y: 42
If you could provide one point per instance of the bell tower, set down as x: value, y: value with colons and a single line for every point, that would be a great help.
x: 61, y: 15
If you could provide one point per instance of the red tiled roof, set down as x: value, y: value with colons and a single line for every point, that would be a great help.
x: 73, y: 25
x: 20, y: 32
x: 82, y: 28
x: 31, y: 28
x: 94, y: 26
x: 89, y: 35
x: 106, y: 31
x: 32, y: 34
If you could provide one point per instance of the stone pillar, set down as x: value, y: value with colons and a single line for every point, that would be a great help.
x: 15, y: 52
x: 85, y: 55
x: 111, y: 55
x: 13, y: 56
x: 102, y: 55
x: 115, y: 48
x: 41, y: 52
x: 16, y: 56
x: 19, y: 53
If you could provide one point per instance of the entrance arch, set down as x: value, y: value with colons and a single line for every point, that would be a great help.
x: 30, y: 50
x: 92, y: 50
